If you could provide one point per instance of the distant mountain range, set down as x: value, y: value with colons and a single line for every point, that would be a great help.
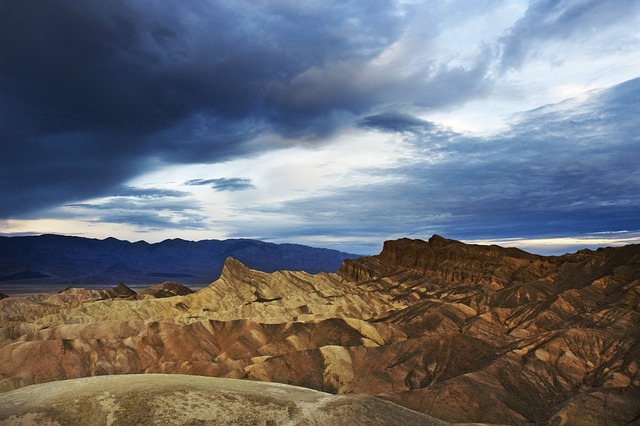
x: 468, y: 334
x: 56, y: 259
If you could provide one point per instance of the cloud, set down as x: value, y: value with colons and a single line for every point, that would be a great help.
x: 130, y: 191
x: 148, y: 209
x: 97, y: 93
x: 132, y: 204
x: 565, y: 169
x: 396, y: 122
x: 577, y: 21
x: 566, y: 244
x: 224, y: 184
x: 151, y: 221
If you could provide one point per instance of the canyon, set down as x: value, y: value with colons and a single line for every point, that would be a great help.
x: 457, y: 332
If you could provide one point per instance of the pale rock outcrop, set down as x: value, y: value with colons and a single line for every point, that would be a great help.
x: 186, y: 400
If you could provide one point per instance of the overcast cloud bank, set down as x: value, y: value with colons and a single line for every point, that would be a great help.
x: 97, y: 95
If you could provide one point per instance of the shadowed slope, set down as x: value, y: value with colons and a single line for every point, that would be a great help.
x: 461, y: 332
x: 55, y: 259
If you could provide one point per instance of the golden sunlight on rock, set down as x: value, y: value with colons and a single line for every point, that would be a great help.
x: 463, y: 333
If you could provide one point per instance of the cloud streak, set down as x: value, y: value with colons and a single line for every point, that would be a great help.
x: 223, y: 184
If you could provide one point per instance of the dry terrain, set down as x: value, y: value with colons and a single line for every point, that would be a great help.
x: 176, y: 399
x: 462, y: 333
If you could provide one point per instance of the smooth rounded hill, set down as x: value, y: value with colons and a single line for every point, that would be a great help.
x: 174, y: 399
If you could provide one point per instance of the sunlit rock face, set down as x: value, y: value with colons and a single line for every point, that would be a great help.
x: 463, y: 333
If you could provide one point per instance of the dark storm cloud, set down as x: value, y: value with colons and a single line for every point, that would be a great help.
x: 97, y: 92
x: 94, y: 92
x: 564, y: 169
x: 396, y: 122
x: 224, y: 184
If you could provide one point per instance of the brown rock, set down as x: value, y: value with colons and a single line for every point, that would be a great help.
x: 465, y: 333
x: 167, y: 289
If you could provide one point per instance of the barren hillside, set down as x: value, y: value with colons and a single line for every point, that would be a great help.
x: 463, y: 333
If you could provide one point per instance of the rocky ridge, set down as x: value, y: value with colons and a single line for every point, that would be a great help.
x: 463, y: 333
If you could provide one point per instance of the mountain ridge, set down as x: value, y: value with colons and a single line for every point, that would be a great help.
x: 59, y: 259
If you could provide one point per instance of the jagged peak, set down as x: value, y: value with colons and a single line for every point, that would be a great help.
x: 121, y: 290
x: 435, y: 238
x: 121, y: 287
x: 167, y: 289
x: 233, y: 266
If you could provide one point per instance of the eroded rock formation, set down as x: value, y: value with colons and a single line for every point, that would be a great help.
x: 464, y: 333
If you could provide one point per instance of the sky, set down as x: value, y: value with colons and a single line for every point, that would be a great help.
x: 337, y: 124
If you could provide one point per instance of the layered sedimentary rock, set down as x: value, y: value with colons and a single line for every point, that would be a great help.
x: 464, y: 333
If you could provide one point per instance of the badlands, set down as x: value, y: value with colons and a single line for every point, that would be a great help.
x: 456, y: 332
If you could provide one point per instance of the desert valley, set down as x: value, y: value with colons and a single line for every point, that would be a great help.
x: 457, y: 333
